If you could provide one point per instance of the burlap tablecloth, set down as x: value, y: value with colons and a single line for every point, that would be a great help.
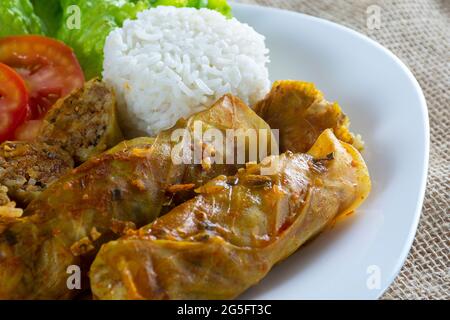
x: 418, y: 32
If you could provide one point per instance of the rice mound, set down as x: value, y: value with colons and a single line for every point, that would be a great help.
x: 171, y: 62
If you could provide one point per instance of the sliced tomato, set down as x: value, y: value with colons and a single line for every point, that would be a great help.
x: 49, y: 68
x: 13, y: 102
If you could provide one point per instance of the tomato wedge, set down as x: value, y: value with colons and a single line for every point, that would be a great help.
x: 49, y: 68
x: 13, y: 101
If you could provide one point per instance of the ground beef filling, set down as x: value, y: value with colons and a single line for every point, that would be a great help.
x: 84, y: 114
x: 26, y: 169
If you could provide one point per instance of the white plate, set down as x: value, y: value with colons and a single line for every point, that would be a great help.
x: 386, y: 105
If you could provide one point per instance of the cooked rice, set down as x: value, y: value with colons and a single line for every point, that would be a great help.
x: 173, y: 62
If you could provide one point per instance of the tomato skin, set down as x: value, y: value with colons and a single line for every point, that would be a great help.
x: 49, y: 67
x: 13, y: 102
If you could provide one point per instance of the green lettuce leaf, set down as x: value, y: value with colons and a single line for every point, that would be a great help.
x: 218, y: 5
x: 50, y: 12
x: 17, y: 17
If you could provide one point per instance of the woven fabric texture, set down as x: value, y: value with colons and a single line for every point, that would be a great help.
x: 418, y: 32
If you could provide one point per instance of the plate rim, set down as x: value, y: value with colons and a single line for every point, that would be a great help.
x: 408, y: 242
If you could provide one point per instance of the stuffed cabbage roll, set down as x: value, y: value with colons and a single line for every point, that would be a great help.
x: 227, y: 239
x: 84, y: 123
x: 301, y: 113
x: 28, y: 168
x: 125, y: 187
x: 78, y: 127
